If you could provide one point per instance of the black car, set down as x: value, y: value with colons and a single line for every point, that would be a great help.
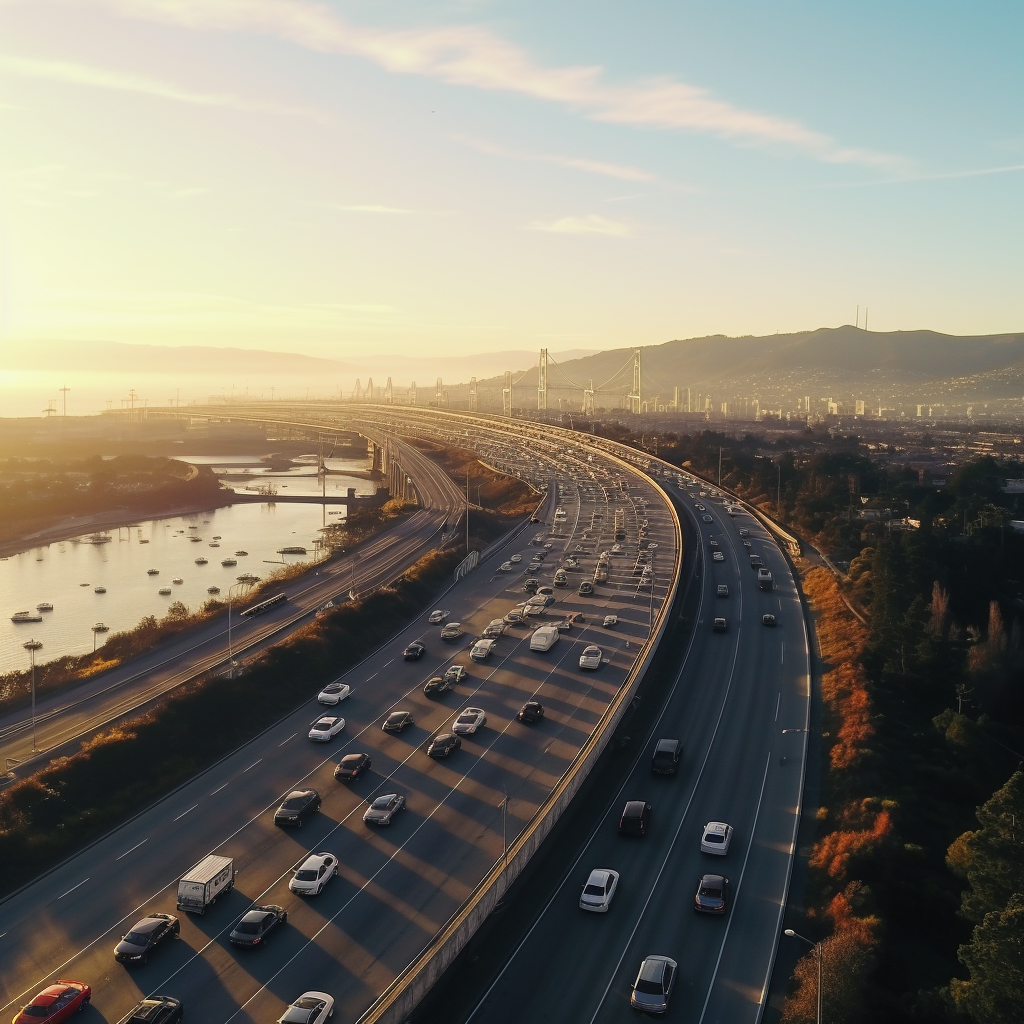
x: 436, y: 685
x: 397, y: 721
x: 257, y: 924
x: 531, y: 711
x: 443, y: 744
x: 712, y: 896
x: 530, y: 586
x: 414, y: 652
x: 144, y: 936
x: 156, y: 1010
x: 586, y: 588
x: 352, y: 767
x: 636, y: 818
x: 296, y: 807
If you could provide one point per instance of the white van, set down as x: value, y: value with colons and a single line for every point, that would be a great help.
x: 544, y: 638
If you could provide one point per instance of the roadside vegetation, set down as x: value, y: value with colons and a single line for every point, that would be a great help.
x: 916, y: 871
x: 57, y: 810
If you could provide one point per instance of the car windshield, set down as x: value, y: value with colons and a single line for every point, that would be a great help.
x: 333, y: 688
x: 138, y: 938
x: 299, y: 1014
x: 325, y: 723
x: 294, y: 803
x: 593, y: 890
x: 350, y: 760
x: 396, y: 716
x: 249, y: 927
x: 651, y: 988
x: 305, y: 875
x: 713, y: 837
x: 37, y: 1011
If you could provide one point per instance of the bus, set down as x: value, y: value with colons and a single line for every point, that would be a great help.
x: 265, y: 606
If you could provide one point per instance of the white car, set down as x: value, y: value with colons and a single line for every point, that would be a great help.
x: 718, y: 556
x: 516, y: 559
x: 506, y: 567
x: 314, y: 873
x: 309, y: 1008
x: 334, y: 693
x: 452, y: 631
x: 591, y: 658
x: 715, y: 838
x: 598, y: 892
x: 326, y: 728
x: 469, y: 721
x: 437, y: 615
x: 481, y: 650
x: 610, y: 621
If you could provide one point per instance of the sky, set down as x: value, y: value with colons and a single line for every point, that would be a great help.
x: 343, y: 178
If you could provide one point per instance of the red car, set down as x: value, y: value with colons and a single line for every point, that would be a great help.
x: 56, y: 1003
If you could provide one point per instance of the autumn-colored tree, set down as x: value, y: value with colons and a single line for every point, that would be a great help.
x: 846, y: 966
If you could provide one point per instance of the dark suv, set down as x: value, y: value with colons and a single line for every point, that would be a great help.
x: 156, y: 1010
x: 636, y: 818
x: 144, y: 937
x: 297, y: 806
x: 665, y: 760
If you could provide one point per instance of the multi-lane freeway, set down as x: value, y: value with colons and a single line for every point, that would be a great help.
x: 396, y: 886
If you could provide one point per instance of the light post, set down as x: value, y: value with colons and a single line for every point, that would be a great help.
x: 816, y: 946
x: 32, y: 646
x: 231, y: 654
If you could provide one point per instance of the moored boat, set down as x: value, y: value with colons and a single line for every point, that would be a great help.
x: 213, y: 590
x: 202, y: 561
x: 26, y: 617
x: 153, y: 572
x: 99, y: 590
x: 227, y: 562
x: 164, y: 591
x: 44, y: 606
x: 177, y: 579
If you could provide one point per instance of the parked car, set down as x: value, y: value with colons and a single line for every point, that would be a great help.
x: 314, y: 873
x: 716, y: 838
x: 712, y: 895
x: 443, y: 744
x: 296, y: 807
x: 531, y: 711
x: 469, y: 720
x: 334, y: 693
x: 352, y: 767
x: 326, y: 728
x: 653, y: 986
x: 414, y: 651
x: 144, y: 936
x: 397, y: 721
x: 610, y: 621
x: 255, y: 925
x: 56, y: 1003
x: 636, y: 818
x: 309, y: 1008
x: 383, y: 809
x: 598, y: 890
x: 586, y: 588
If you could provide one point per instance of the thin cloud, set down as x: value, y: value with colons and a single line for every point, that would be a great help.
x: 84, y: 74
x: 470, y: 55
x: 372, y: 209
x: 591, y: 224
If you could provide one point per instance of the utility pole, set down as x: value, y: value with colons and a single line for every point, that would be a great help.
x: 719, y: 466
x: 64, y: 399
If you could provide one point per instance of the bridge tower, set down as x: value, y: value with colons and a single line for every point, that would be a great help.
x: 412, y: 394
x: 588, y: 398
x: 369, y: 390
x: 542, y: 381
x: 389, y: 395
x: 472, y: 395
x: 634, y: 395
x: 439, y: 394
x: 506, y: 395
x: 357, y: 391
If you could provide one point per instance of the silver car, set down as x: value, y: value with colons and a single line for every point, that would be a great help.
x: 383, y: 809
x: 653, y: 986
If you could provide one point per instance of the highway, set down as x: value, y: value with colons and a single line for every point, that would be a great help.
x: 397, y: 886
x: 66, y: 717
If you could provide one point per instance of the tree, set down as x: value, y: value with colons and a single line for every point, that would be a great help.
x: 995, y: 959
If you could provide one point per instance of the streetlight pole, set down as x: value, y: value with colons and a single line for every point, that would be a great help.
x: 231, y: 653
x: 778, y: 491
x: 32, y: 646
x: 816, y: 946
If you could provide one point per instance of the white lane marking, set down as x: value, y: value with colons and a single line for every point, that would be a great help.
x: 736, y: 893
x: 778, y: 701
x: 183, y: 813
x: 253, y: 765
x: 72, y: 889
x: 783, y: 662
x: 218, y: 789
x: 374, y: 676
x: 386, y: 663
x: 283, y: 742
x: 132, y: 850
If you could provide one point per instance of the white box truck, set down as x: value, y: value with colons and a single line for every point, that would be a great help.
x: 204, y: 883
x: 544, y: 638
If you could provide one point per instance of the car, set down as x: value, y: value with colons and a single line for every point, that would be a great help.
x: 716, y: 838
x: 309, y: 1008
x: 719, y: 625
x: 505, y: 567
x: 443, y: 744
x: 610, y: 621
x: 598, y: 890
x: 155, y: 1010
x: 717, y: 556
x: 768, y: 619
x: 653, y: 986
x: 547, y: 546
x: 531, y: 711
x: 744, y: 532
x: 700, y: 508
x: 534, y: 519
x: 516, y: 559
x: 256, y: 924
x: 722, y: 590
x: 591, y: 658
x: 455, y: 674
x: 469, y: 720
x: 561, y: 580
x: 326, y: 728
x: 565, y: 626
x: 56, y: 1003
x: 666, y: 757
x: 513, y: 617
x: 296, y: 807
x: 436, y: 685
x: 545, y: 592
x: 712, y: 894
x: 713, y: 543
x: 314, y: 873
x: 437, y: 615
x: 352, y: 767
x: 481, y: 650
x: 746, y: 543
x: 334, y: 693
x: 144, y: 936
x: 707, y: 519
x: 494, y: 629
x: 383, y: 809
x: 530, y: 586
x: 414, y: 651
x: 636, y: 818
x: 452, y: 631
x: 397, y: 721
